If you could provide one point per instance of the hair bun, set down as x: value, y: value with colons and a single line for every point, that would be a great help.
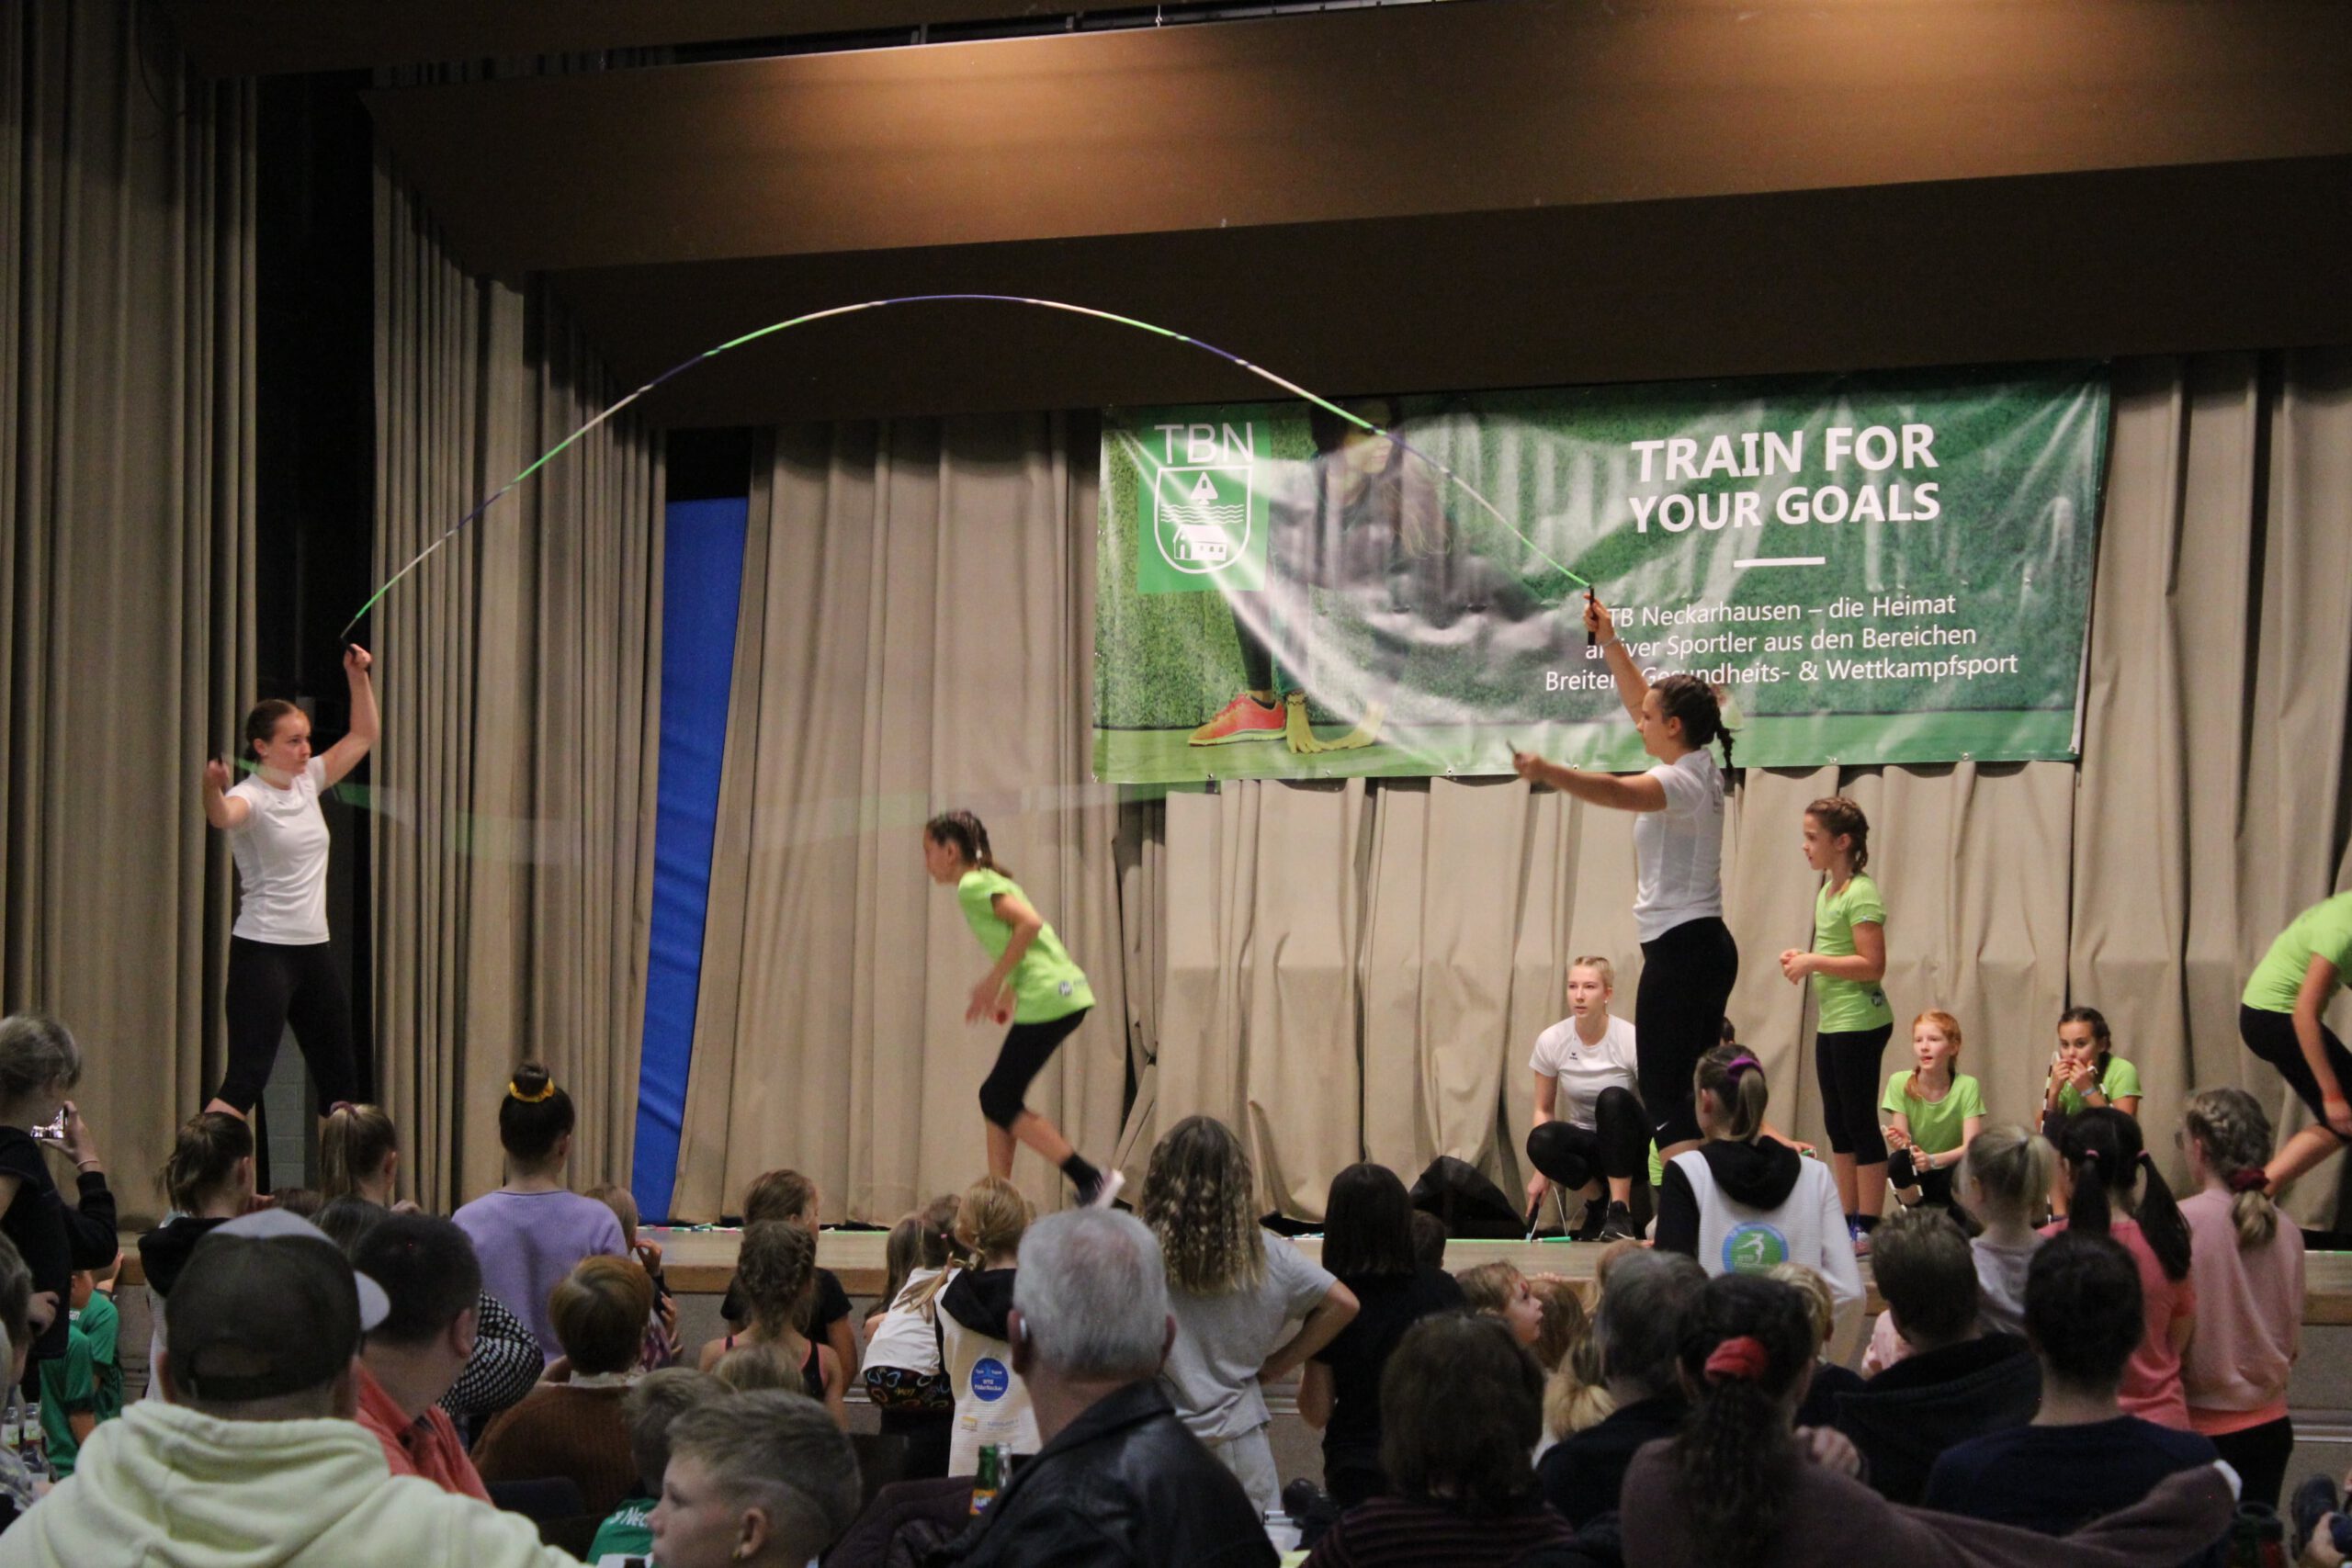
x: 531, y: 1083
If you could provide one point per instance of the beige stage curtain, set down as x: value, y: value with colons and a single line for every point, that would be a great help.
x: 915, y: 627
x: 518, y: 669
x: 125, y: 548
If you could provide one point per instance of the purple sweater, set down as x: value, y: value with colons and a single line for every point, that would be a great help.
x: 529, y: 1241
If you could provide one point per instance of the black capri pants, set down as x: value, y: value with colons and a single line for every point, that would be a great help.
x: 1019, y: 1060
x: 2271, y: 1036
x: 1687, y: 977
x: 1847, y: 1062
x: 1616, y: 1144
x: 271, y: 985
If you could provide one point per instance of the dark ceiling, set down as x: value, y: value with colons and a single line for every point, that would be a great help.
x: 1514, y: 192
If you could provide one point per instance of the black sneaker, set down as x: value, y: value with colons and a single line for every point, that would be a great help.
x: 1618, y: 1225
x: 1596, y: 1215
x: 2312, y: 1501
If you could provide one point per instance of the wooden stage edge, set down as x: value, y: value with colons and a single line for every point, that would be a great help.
x: 701, y: 1262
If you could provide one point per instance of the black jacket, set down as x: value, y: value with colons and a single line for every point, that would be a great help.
x: 1125, y: 1484
x: 1902, y: 1418
x: 1583, y: 1473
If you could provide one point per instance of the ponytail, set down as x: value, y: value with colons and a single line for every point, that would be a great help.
x: 1745, y: 1342
x: 2233, y: 1135
x: 2103, y: 1152
x: 1734, y: 1076
x: 968, y: 836
x: 353, y: 1146
x: 204, y: 1158
x: 2012, y: 1167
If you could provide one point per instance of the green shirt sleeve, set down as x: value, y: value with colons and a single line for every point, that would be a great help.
x: 1863, y: 905
x: 2332, y: 940
x: 1895, y: 1088
x: 1969, y: 1096
x: 2123, y: 1078
x: 99, y: 1322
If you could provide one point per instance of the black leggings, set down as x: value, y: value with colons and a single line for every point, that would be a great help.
x: 2271, y: 1036
x: 1847, y: 1061
x: 271, y: 985
x: 1935, y: 1186
x: 1616, y: 1144
x: 1018, y: 1062
x: 2260, y: 1455
x: 1687, y: 977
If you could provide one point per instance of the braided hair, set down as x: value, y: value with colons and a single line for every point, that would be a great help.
x: 1691, y: 700
x: 2234, y: 1137
x: 1746, y: 1342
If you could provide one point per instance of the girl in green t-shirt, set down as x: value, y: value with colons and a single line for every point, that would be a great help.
x: 1934, y: 1109
x: 2280, y: 1019
x: 2084, y: 1071
x: 1033, y: 985
x: 1853, y: 1021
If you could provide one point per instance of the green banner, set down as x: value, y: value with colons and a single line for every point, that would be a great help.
x: 1872, y: 568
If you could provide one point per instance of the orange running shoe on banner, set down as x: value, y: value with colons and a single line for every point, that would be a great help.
x: 1243, y: 718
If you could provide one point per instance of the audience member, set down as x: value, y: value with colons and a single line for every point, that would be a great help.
x: 787, y: 1195
x: 359, y: 1156
x: 1638, y: 1330
x: 1742, y: 1202
x: 2114, y: 1189
x: 2081, y: 1456
x: 1934, y: 1109
x: 1499, y: 1291
x: 906, y: 1380
x: 40, y: 1064
x: 974, y: 1324
x: 1119, y: 1482
x: 17, y: 1330
x: 532, y: 1231
x: 762, y: 1479
x: 652, y: 1403
x: 777, y: 1271
x: 1233, y: 1291
x: 1370, y: 1231
x: 207, y: 1181
x: 750, y: 1366
x: 302, y: 1203
x: 1429, y: 1239
x: 1560, y: 1320
x: 85, y: 1387
x: 575, y: 1428
x: 1464, y: 1406
x: 427, y: 1269
x: 1741, y: 1484
x: 254, y: 1456
x: 2246, y: 1270
x: 662, y: 1346
x: 1829, y: 1379
x: 1957, y: 1382
x: 1575, y: 1398
x: 2003, y: 1184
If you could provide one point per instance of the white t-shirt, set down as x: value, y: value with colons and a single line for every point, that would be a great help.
x: 1678, y: 853
x: 281, y: 854
x: 907, y: 1338
x: 1583, y: 1070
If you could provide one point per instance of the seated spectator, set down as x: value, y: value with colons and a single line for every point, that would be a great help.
x: 1741, y: 1484
x: 575, y: 1428
x: 652, y: 1403
x: 1575, y: 1398
x: 791, y: 1197
x: 1957, y: 1382
x: 749, y: 1367
x: 661, y: 1343
x: 1499, y: 1291
x: 359, y: 1156
x: 254, y: 1455
x: 1233, y: 1289
x: 84, y: 1388
x: 303, y: 1202
x: 2003, y: 1184
x: 776, y: 1269
x: 1638, y: 1330
x: 532, y: 1231
x: 1429, y: 1239
x: 906, y: 1380
x: 427, y: 1271
x: 1829, y: 1379
x: 1744, y: 1200
x: 2114, y: 1189
x: 762, y: 1479
x: 2081, y: 1456
x: 17, y: 1331
x: 207, y: 1181
x: 974, y: 1318
x: 1463, y: 1403
x: 1120, y: 1482
x: 1370, y: 1243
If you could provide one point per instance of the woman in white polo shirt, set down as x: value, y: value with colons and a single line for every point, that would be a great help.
x: 1589, y: 1127
x: 281, y: 968
x: 1689, y: 960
